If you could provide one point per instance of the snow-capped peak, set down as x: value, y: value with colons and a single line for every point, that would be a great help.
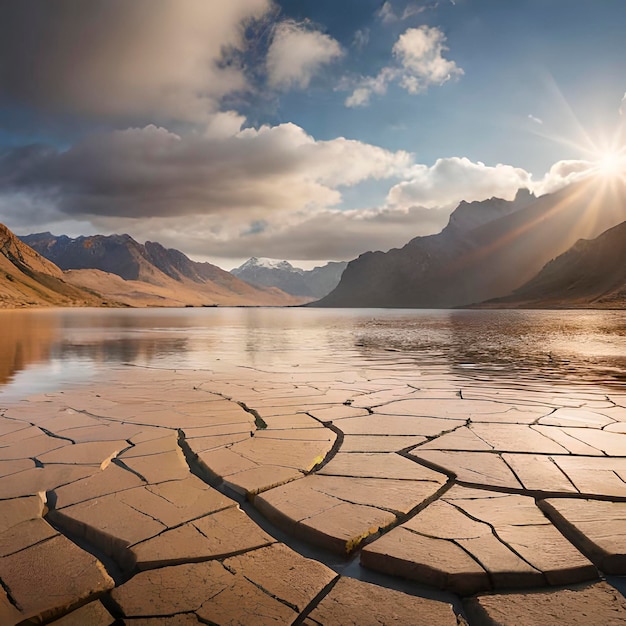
x: 272, y: 264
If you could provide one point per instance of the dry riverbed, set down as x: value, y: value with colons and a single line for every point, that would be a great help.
x: 131, y: 499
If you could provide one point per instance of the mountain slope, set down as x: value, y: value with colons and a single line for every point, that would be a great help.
x: 590, y: 273
x: 313, y: 283
x: 487, y: 250
x: 166, y: 276
x: 28, y: 279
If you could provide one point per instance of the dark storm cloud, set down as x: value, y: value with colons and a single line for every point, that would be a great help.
x: 129, y: 59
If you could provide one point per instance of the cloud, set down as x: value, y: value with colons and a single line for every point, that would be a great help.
x: 534, y: 119
x: 415, y: 8
x: 448, y: 181
x: 361, y: 38
x: 333, y: 234
x: 145, y: 59
x: 296, y: 53
x: 451, y: 180
x: 386, y: 13
x: 360, y: 97
x: 420, y: 52
x: 371, y: 85
x: 267, y: 192
x: 561, y: 174
x: 25, y: 213
x: 307, y: 235
x: 622, y: 106
x: 420, y: 64
x: 152, y: 172
x: 223, y: 124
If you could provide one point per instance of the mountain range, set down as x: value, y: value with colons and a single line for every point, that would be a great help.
x: 129, y: 273
x: 591, y: 274
x: 28, y: 279
x: 312, y: 284
x: 565, y: 249
x: 487, y: 250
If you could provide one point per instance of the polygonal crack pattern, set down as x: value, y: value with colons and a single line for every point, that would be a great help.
x: 468, y: 490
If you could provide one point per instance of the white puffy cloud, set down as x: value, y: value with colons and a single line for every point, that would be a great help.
x: 561, y: 174
x: 420, y: 64
x: 223, y: 124
x: 296, y: 53
x: 151, y: 172
x: 360, y: 97
x: 140, y: 60
x: 420, y: 52
x: 371, y: 85
x: 451, y: 180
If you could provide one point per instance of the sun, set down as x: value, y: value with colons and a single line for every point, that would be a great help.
x: 612, y: 163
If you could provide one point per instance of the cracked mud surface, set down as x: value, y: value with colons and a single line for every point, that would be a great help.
x: 511, y: 499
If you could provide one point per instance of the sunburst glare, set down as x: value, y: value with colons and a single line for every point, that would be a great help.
x: 612, y: 163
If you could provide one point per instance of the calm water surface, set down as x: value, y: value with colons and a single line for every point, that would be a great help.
x: 41, y: 350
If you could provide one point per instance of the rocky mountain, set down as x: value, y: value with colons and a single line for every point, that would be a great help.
x: 487, y: 250
x: 28, y: 279
x: 148, y: 274
x: 592, y: 273
x: 314, y: 283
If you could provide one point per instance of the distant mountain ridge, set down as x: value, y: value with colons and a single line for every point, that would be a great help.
x: 314, y: 283
x: 487, y: 250
x: 121, y: 255
x: 470, y: 215
x: 175, y: 279
x: 28, y: 279
x: 592, y: 273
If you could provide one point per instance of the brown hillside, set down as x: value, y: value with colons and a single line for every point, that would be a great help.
x: 150, y: 274
x: 591, y: 274
x: 174, y: 293
x: 28, y: 279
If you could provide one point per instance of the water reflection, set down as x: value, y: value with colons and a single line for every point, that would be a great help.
x: 43, y: 349
x: 70, y: 345
x: 25, y: 339
x: 130, y: 348
x: 552, y: 345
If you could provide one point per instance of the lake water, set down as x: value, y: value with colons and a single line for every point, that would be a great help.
x: 42, y: 350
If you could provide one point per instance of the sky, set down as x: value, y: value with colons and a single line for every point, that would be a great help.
x: 305, y: 130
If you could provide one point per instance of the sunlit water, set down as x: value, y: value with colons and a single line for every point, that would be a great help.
x: 43, y: 350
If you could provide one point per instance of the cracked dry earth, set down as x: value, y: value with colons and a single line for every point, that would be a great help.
x: 136, y: 500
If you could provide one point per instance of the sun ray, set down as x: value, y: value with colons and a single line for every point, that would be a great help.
x: 611, y: 162
x: 584, y: 141
x: 606, y: 153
